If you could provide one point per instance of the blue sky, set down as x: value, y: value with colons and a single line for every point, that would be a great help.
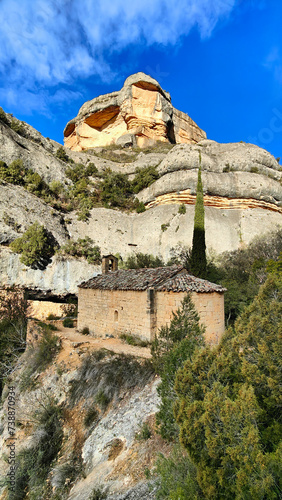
x: 221, y: 60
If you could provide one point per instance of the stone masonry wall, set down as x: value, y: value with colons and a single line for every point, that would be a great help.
x: 107, y: 312
x: 113, y: 312
x: 210, y: 307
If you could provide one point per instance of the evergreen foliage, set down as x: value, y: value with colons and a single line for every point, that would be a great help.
x: 142, y: 260
x: 182, y: 209
x: 116, y: 190
x: 62, y: 155
x: 170, y: 349
x: 144, y: 177
x: 82, y: 247
x: 176, y: 477
x: 228, y: 404
x: 198, y: 255
x: 36, y: 246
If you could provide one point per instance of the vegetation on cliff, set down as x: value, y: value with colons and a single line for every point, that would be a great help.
x: 36, y: 246
x: 227, y: 408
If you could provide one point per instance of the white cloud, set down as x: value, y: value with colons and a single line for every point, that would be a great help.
x: 44, y: 43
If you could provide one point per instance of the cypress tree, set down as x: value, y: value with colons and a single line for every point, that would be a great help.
x: 198, y: 254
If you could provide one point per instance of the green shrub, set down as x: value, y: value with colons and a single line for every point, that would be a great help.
x: 18, y: 127
x: 129, y: 339
x: 164, y: 227
x: 68, y: 323
x: 144, y: 177
x: 254, y: 170
x: 227, y: 404
x: 98, y: 494
x: 62, y: 155
x: 182, y: 209
x: 102, y: 399
x: 85, y: 331
x: 14, y: 173
x: 144, y: 433
x: 91, y: 416
x: 104, y: 374
x: 3, y: 117
x: 83, y: 247
x: 176, y: 477
x: 36, y: 246
x: 52, y: 316
x: 116, y: 190
x: 139, y: 206
x: 142, y: 260
x: 170, y: 349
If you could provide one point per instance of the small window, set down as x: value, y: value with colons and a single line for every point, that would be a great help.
x: 116, y: 316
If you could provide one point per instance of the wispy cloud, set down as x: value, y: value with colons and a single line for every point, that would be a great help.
x: 44, y: 43
x: 273, y: 62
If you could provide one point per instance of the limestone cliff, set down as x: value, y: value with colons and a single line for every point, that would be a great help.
x: 242, y: 187
x: 139, y: 114
x: 99, y: 449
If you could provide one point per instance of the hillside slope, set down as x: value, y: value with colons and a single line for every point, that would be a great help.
x: 242, y: 186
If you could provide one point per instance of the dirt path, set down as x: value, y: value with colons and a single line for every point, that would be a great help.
x: 72, y: 340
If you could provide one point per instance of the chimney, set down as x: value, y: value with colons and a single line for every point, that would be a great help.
x: 109, y: 264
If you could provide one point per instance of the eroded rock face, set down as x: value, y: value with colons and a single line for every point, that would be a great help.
x: 139, y: 114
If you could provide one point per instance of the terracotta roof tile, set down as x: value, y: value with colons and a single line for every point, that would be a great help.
x: 173, y: 278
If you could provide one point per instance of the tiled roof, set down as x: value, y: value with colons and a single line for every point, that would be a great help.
x: 173, y: 278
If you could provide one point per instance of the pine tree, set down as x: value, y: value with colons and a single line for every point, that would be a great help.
x: 198, y: 255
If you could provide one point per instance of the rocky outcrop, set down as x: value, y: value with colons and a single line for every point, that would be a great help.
x: 243, y: 196
x: 19, y: 209
x: 139, y: 114
x: 60, y: 277
x: 36, y: 152
x: 236, y: 171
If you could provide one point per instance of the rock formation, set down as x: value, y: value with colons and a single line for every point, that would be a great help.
x: 139, y: 114
x: 242, y: 188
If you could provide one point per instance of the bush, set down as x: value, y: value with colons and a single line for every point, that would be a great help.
x: 182, y: 209
x: 68, y: 323
x: 62, y: 155
x: 129, y: 339
x: 142, y: 260
x: 144, y: 177
x: 14, y: 310
x: 102, y: 399
x: 52, y: 316
x: 170, y: 349
x: 36, y: 246
x: 83, y: 247
x: 14, y: 173
x: 116, y: 190
x: 85, y: 331
x: 41, y: 355
x: 144, y: 433
x: 97, y: 494
x: 18, y: 127
x: 139, y: 206
x: 3, y: 117
x: 176, y: 477
x: 227, y: 404
x: 91, y: 416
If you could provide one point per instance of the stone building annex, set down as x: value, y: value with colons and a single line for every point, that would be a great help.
x: 140, y: 301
